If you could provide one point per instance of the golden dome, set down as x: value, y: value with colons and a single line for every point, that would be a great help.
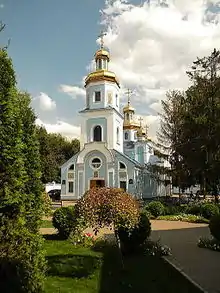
x: 128, y: 108
x: 103, y: 54
x: 141, y: 131
x: 101, y: 75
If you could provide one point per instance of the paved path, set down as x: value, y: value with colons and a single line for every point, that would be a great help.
x: 201, y: 265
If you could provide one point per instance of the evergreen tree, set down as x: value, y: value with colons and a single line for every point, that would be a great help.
x: 33, y: 187
x: 22, y: 262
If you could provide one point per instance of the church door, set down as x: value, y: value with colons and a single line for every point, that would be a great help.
x: 97, y: 183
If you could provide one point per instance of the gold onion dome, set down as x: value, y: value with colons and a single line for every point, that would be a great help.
x: 100, y: 75
x: 102, y: 54
x: 128, y: 108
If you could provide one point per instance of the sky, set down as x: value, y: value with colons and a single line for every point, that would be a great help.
x: 152, y: 44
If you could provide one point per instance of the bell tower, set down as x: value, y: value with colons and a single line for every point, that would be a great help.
x: 101, y: 119
x: 130, y: 126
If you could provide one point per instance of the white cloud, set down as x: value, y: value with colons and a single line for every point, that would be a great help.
x: 152, y: 46
x: 73, y: 91
x: 66, y: 129
x: 45, y: 102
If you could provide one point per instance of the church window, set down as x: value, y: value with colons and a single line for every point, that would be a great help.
x: 122, y: 165
x: 97, y: 133
x: 71, y: 177
x: 71, y: 167
x: 127, y: 116
x: 135, y: 135
x: 96, y: 163
x: 97, y: 97
x: 122, y: 176
x: 71, y: 187
x: 118, y: 134
x: 99, y: 64
x: 126, y: 135
x: 116, y: 100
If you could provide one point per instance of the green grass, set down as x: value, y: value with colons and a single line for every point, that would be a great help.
x: 46, y: 224
x: 81, y: 270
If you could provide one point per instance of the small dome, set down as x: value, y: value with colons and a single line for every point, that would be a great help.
x: 128, y: 108
x: 100, y: 76
x: 102, y: 53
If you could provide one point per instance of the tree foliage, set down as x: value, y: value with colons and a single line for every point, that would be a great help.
x: 21, y: 256
x: 54, y: 151
x: 190, y: 125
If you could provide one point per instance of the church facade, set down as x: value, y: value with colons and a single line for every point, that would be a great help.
x: 114, y: 149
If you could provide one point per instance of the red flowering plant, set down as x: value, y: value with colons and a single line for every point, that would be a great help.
x: 111, y: 207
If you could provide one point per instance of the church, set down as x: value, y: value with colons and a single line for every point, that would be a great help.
x: 114, y: 149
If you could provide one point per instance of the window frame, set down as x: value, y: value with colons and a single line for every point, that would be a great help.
x: 95, y: 97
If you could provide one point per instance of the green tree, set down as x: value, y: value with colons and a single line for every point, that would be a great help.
x: 21, y: 257
x: 33, y: 187
x: 54, y: 151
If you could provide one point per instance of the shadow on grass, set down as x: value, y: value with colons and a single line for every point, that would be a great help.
x: 52, y: 237
x: 72, y: 266
x: 140, y: 274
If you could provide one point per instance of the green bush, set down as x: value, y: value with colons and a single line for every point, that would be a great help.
x: 171, y: 210
x: 194, y: 209
x: 22, y: 262
x: 64, y: 220
x: 156, y: 208
x: 209, y: 210
x: 133, y: 239
x: 214, y: 226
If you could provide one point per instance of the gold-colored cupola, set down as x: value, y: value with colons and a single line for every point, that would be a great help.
x: 129, y: 111
x: 102, y: 58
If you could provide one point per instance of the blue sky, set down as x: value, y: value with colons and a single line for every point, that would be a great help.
x: 52, y: 43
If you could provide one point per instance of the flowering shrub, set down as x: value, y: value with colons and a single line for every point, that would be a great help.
x: 210, y: 243
x: 155, y: 248
x: 85, y: 240
x: 184, y: 218
x: 107, y: 207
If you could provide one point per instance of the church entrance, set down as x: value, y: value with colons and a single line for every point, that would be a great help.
x: 97, y: 183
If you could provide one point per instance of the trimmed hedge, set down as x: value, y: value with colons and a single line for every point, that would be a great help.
x: 214, y: 226
x: 156, y: 208
x: 133, y: 239
x: 64, y: 220
x: 209, y: 210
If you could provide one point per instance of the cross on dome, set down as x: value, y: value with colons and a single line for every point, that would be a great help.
x: 129, y: 92
x: 140, y: 119
x: 101, y: 36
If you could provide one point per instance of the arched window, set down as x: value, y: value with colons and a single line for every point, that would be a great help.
x: 71, y: 178
x: 127, y: 116
x: 96, y: 163
x: 71, y: 167
x: 97, y: 133
x: 126, y: 135
x: 118, y: 135
x: 122, y: 165
x: 122, y: 176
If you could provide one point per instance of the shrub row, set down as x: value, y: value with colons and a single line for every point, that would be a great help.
x: 205, y: 210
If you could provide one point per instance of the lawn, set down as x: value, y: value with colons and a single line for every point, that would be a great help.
x: 46, y: 224
x: 81, y: 270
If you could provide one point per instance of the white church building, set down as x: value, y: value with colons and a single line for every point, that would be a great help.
x: 114, y: 149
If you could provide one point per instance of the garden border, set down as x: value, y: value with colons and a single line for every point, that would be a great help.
x: 185, y: 275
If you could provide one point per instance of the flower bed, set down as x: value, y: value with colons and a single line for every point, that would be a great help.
x: 184, y: 218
